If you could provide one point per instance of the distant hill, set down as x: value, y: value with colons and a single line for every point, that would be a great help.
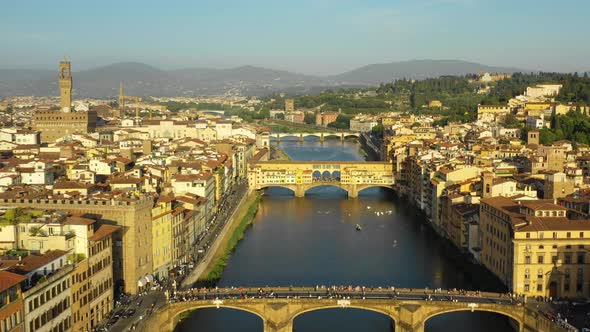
x: 415, y: 69
x: 144, y: 80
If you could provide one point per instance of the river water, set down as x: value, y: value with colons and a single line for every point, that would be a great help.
x: 313, y: 241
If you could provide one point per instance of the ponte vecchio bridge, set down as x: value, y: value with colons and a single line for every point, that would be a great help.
x: 408, y: 309
x: 300, y: 176
x: 321, y: 135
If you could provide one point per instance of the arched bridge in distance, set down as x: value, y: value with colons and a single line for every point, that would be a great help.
x: 408, y: 309
x: 300, y: 176
x: 342, y: 135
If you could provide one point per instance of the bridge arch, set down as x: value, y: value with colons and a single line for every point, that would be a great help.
x: 175, y: 317
x: 510, y: 314
x: 323, y: 184
x: 289, y: 135
x: 291, y: 187
x: 357, y: 307
x: 367, y: 186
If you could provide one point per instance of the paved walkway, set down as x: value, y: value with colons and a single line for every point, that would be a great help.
x: 143, y: 309
x: 211, y: 253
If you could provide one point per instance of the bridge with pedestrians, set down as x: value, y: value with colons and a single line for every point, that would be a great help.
x: 300, y: 176
x: 342, y: 135
x: 409, y: 309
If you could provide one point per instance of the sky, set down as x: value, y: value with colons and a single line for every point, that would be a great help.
x: 306, y: 36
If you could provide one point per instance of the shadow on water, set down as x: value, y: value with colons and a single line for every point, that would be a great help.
x: 220, y: 320
x: 343, y: 320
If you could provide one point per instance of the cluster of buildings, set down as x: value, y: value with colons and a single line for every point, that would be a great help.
x: 249, y: 103
x: 93, y: 204
x: 290, y: 114
x: 520, y: 209
x: 91, y: 207
x: 534, y: 107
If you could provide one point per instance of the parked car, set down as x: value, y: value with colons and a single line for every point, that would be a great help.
x: 129, y: 313
x: 119, y: 314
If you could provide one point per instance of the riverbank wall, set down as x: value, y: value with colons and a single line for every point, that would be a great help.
x: 242, y: 220
x: 368, y: 148
x: 277, y: 153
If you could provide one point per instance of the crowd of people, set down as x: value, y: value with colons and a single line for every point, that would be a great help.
x: 338, y: 292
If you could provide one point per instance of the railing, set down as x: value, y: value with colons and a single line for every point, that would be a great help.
x: 349, y: 292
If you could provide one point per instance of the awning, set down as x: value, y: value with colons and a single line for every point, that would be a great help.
x: 141, y: 282
x: 149, y: 278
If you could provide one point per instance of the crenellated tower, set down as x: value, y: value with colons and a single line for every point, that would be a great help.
x: 65, y: 85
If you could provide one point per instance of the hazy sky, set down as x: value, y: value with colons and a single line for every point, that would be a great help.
x: 308, y: 36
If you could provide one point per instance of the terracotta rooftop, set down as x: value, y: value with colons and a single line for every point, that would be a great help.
x: 33, y: 262
x: 103, y: 231
x: 554, y: 224
x: 8, y: 279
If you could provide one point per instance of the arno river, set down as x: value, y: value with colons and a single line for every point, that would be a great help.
x: 313, y: 241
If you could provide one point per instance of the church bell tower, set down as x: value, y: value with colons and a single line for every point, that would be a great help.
x: 65, y: 85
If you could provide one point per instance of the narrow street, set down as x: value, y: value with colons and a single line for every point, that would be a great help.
x: 130, y: 311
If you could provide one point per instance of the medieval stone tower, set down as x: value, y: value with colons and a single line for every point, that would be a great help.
x: 65, y: 85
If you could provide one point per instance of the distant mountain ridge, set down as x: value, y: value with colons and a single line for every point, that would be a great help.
x: 416, y: 69
x: 145, y: 80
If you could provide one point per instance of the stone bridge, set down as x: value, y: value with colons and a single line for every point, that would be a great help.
x: 320, y: 135
x: 218, y: 112
x: 409, y: 310
x: 300, y: 176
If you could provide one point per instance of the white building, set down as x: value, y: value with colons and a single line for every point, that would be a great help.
x: 536, y: 122
x: 543, y: 90
x: 200, y: 184
x: 20, y: 136
x: 223, y: 129
x: 102, y: 167
x: 37, y: 172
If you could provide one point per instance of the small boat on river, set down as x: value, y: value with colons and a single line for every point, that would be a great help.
x: 358, y: 227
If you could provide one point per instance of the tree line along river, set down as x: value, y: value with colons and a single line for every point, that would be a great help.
x: 313, y: 241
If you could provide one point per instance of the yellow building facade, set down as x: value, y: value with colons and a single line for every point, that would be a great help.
x: 534, y: 248
x: 162, y: 236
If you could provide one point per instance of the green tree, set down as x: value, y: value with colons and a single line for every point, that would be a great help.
x: 378, y: 131
x: 510, y: 121
x: 309, y: 118
x: 342, y: 122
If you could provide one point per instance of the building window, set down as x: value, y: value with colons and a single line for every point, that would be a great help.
x: 540, y: 274
x: 580, y: 280
x: 528, y: 235
x: 555, y: 235
x: 568, y: 258
x: 539, y: 288
x: 527, y: 274
x: 554, y: 259
x: 568, y: 235
x: 527, y: 287
x: 527, y: 259
x: 581, y: 258
x: 540, y: 259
